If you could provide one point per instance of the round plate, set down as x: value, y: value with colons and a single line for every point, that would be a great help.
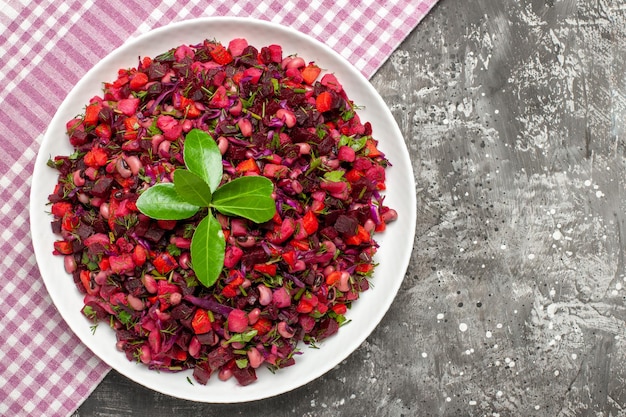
x: 395, y: 243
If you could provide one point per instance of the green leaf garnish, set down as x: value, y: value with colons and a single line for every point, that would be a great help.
x: 162, y: 202
x: 192, y: 188
x: 203, y: 157
x: 355, y: 143
x: 207, y: 250
x: 197, y: 187
x: 249, y: 197
x: 243, y: 337
x: 334, y: 176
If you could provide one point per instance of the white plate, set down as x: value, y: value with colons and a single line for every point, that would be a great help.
x: 395, y: 243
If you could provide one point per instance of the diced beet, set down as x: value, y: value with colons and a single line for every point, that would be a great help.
x: 102, y: 186
x: 202, y: 373
x: 134, y: 286
x: 84, y: 231
x: 254, y: 256
x: 154, y: 234
x: 219, y: 357
x: 329, y: 232
x: 346, y: 225
x: 182, y: 311
x: 327, y: 328
x: 56, y: 226
x: 208, y: 338
x: 245, y: 376
x: 326, y: 145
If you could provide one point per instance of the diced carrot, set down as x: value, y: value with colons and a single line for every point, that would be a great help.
x: 371, y: 150
x: 63, y: 247
x: 229, y: 291
x: 262, y: 326
x: 103, y: 131
x: 96, y: 157
x: 354, y: 175
x: 300, y: 244
x: 324, y: 101
x: 290, y: 257
x: 201, y: 322
x: 189, y: 108
x: 339, y: 308
x: 248, y: 165
x: 310, y: 222
x: 60, y: 208
x: 364, y: 268
x: 138, y: 81
x: 92, y: 113
x: 164, y: 263
x: 219, y: 53
x: 269, y: 269
x: 333, y: 277
x: 90, y: 287
x: 363, y: 234
x: 310, y: 73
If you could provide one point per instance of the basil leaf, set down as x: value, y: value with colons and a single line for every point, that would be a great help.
x: 203, y: 157
x: 248, y: 197
x: 162, y: 202
x: 192, y: 188
x: 207, y: 250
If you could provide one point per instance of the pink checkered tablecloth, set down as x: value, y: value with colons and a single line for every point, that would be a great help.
x: 46, y: 47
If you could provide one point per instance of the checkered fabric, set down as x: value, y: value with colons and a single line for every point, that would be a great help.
x: 46, y: 47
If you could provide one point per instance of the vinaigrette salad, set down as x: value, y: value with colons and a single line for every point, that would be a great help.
x: 280, y: 280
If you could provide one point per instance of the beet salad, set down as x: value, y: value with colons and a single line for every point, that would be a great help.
x: 220, y: 208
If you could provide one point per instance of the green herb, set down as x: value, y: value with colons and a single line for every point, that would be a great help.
x: 334, y: 176
x: 275, y: 85
x: 243, y: 337
x: 89, y: 312
x: 198, y: 187
x: 241, y: 363
x: 355, y: 143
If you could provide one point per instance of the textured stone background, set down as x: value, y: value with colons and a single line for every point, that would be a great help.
x: 514, y: 113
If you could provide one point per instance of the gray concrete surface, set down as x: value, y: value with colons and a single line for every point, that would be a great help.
x: 514, y: 302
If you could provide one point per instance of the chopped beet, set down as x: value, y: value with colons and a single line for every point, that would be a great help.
x: 253, y: 257
x: 182, y: 311
x: 346, y: 225
x: 101, y: 187
x: 219, y: 356
x: 327, y: 328
x: 154, y: 234
x: 244, y: 376
x: 208, y: 338
x: 202, y: 373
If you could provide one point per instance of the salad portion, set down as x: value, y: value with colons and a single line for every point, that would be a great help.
x: 219, y: 208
